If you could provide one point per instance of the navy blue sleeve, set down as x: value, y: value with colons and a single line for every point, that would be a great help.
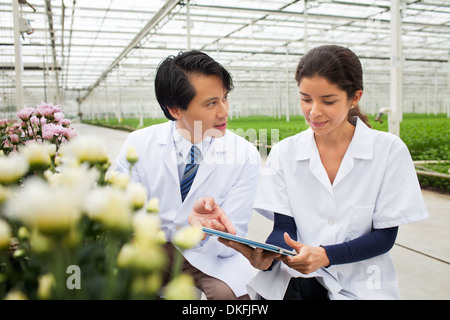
x: 281, y: 224
x: 370, y: 245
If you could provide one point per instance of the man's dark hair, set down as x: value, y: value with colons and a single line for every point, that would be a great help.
x: 172, y: 84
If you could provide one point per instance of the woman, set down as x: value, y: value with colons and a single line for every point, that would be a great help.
x: 337, y: 193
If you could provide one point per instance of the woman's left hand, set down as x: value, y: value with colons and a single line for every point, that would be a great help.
x: 308, y: 259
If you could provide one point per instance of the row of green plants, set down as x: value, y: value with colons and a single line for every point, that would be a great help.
x: 426, y: 135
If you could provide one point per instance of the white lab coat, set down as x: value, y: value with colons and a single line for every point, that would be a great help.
x: 229, y: 172
x: 376, y: 187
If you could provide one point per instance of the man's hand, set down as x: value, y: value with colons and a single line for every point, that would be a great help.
x: 207, y: 213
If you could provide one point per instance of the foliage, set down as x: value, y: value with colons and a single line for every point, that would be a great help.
x: 72, y: 229
x: 427, y: 136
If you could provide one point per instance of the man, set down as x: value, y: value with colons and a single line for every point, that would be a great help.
x: 192, y: 157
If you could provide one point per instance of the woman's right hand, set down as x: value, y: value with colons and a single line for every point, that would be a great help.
x: 259, y: 258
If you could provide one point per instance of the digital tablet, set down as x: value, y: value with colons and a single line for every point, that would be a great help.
x: 248, y: 242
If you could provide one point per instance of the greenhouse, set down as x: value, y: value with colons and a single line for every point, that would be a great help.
x: 100, y: 57
x: 95, y: 63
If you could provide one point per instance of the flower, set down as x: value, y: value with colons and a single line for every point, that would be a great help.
x: 12, y: 168
x: 46, y: 283
x: 141, y: 258
x: 48, y: 209
x: 117, y: 179
x: 137, y: 195
x: 37, y: 155
x: 180, y: 288
x: 153, y: 205
x: 5, y: 193
x: 88, y: 149
x: 187, y: 237
x: 5, y: 234
x: 147, y: 229
x: 110, y: 207
x: 16, y: 294
x: 132, y: 156
x: 25, y: 114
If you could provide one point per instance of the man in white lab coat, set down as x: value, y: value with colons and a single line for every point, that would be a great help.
x: 194, y: 156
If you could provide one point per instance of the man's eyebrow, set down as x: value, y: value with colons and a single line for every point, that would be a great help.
x: 215, y: 98
x: 211, y: 99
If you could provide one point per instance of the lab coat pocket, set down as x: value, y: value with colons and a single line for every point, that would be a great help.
x: 361, y: 220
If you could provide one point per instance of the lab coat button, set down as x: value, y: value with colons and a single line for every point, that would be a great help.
x: 178, y: 228
x: 331, y: 222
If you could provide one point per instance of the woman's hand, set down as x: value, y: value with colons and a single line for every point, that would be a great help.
x: 308, y: 259
x: 259, y: 258
x: 207, y: 213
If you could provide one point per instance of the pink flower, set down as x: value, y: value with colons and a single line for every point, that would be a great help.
x: 44, y: 111
x: 37, y: 121
x: 25, y: 113
x: 59, y: 116
x: 50, y: 130
x: 65, y: 122
x: 70, y: 133
x: 14, y: 138
x: 3, y: 123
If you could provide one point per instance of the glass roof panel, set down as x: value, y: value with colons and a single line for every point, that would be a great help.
x: 80, y: 47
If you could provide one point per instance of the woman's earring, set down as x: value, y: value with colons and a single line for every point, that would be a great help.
x: 352, y: 106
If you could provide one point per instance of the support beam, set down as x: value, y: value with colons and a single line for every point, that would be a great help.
x: 18, y: 56
x: 188, y: 24
x: 396, y: 83
x: 161, y: 14
x: 48, y: 10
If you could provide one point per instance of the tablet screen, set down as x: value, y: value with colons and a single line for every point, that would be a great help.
x: 251, y: 243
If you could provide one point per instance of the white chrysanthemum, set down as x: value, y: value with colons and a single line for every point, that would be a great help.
x: 5, y: 193
x: 137, y: 195
x: 147, y: 229
x: 110, y: 207
x: 5, y: 234
x: 48, y: 209
x: 12, y: 168
x: 117, y: 179
x: 153, y: 205
x: 188, y: 236
x: 141, y: 258
x: 89, y: 149
x: 132, y: 156
x: 37, y: 155
x: 180, y: 288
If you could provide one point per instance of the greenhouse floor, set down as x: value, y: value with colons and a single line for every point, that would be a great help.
x: 421, y: 253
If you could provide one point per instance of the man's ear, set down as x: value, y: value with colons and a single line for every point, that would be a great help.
x: 174, y: 112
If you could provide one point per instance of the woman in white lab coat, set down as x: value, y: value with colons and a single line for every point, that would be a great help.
x: 337, y: 192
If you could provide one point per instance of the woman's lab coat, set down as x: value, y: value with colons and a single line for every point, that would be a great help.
x: 376, y: 187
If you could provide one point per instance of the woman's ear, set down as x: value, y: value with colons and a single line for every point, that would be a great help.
x: 356, y: 97
x: 174, y: 112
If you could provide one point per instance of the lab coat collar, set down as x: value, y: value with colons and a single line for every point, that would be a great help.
x: 361, y: 146
x: 209, y: 159
x: 362, y: 141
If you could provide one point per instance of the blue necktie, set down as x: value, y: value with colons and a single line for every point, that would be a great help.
x: 189, y: 172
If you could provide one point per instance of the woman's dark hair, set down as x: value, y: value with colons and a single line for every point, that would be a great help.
x: 339, y: 66
x: 172, y: 84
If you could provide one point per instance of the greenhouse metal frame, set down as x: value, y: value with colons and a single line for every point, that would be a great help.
x: 99, y: 57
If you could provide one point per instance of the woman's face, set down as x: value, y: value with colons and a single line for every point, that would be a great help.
x: 324, y: 105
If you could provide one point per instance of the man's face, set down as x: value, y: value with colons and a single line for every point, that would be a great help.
x: 207, y: 113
